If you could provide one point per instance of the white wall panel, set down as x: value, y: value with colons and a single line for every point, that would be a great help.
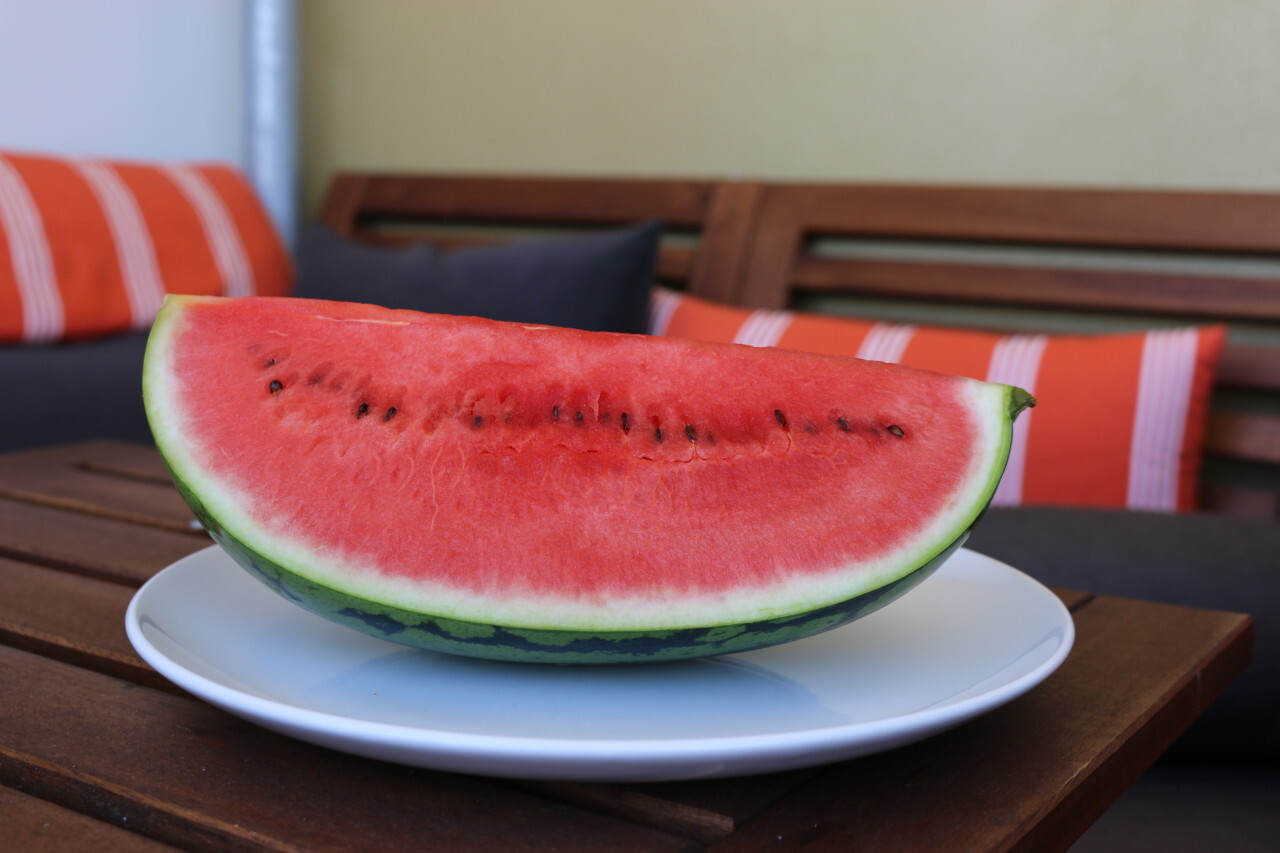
x: 155, y: 80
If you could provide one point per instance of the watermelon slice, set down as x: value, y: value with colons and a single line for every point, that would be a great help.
x: 541, y: 494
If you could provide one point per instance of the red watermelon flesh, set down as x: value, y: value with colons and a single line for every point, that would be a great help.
x: 531, y: 477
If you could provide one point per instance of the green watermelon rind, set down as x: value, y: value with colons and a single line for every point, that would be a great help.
x: 540, y: 645
x: 278, y: 566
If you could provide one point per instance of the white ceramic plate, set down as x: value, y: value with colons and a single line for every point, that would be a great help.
x: 972, y: 637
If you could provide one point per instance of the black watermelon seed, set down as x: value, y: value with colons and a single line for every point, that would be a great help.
x: 779, y: 417
x: 691, y: 432
x: 555, y: 413
x: 270, y: 363
x: 362, y: 410
x: 843, y: 424
x: 577, y: 416
x: 477, y: 421
x: 391, y: 413
x: 276, y: 386
x: 626, y: 423
x: 657, y: 434
x: 895, y: 430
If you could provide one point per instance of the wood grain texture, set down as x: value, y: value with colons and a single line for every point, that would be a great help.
x: 70, y: 618
x: 783, y: 264
x: 89, y: 743
x: 89, y: 544
x: 200, y: 779
x: 1052, y: 760
x: 398, y: 209
x: 64, y: 614
x: 32, y: 825
x: 1244, y: 436
x: 1238, y: 222
x: 1047, y: 287
x: 729, y: 227
x: 521, y: 199
x: 341, y: 206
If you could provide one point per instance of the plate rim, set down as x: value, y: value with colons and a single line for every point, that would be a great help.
x: 282, y: 716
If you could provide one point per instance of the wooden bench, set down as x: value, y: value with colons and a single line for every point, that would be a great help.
x: 707, y: 224
x: 1105, y: 256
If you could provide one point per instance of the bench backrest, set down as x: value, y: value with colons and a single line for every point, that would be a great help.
x: 1195, y: 236
x: 759, y: 245
x: 706, y: 224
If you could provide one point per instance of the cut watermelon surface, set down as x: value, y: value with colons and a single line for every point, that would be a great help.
x: 534, y: 493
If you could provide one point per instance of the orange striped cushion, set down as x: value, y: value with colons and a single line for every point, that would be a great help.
x: 1120, y: 420
x: 89, y: 247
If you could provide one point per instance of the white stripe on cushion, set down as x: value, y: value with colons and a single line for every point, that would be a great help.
x: 219, y: 230
x: 29, y: 255
x: 1015, y: 360
x: 763, y: 328
x: 886, y: 342
x: 1164, y: 395
x: 662, y: 307
x: 138, y: 267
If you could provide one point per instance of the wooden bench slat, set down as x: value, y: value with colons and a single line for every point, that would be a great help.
x: 720, y: 214
x: 1179, y: 295
x: 1175, y: 220
x: 570, y: 201
x: 1250, y: 367
x: 674, y: 263
x: 1236, y: 435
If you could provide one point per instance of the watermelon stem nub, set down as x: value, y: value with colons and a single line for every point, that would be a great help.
x: 1019, y: 400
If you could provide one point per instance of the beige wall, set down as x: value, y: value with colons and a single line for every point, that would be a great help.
x: 1179, y: 93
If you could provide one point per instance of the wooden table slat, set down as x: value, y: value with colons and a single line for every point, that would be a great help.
x: 198, y: 778
x: 738, y: 800
x: 91, y: 744
x: 88, y: 544
x: 79, y: 620
x: 1038, y: 753
x: 1073, y: 598
x: 105, y: 479
x: 70, y: 618
x: 703, y: 825
x: 124, y: 458
x: 32, y: 825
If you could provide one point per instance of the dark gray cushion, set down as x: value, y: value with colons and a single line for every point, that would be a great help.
x: 1197, y: 560
x: 93, y: 389
x: 72, y: 392
x: 599, y: 282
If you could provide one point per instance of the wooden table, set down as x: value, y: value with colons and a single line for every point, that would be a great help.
x: 98, y: 752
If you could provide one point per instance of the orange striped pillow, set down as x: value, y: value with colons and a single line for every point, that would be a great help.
x: 89, y: 247
x: 1120, y: 420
